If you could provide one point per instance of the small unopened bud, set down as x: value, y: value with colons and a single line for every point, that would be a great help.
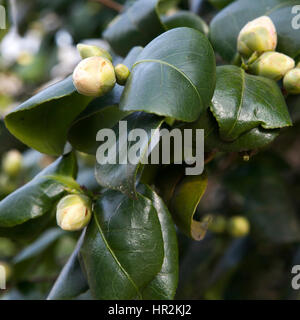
x: 122, y: 73
x: 272, y: 65
x: 5, y: 274
x: 94, y: 76
x: 258, y: 35
x: 73, y: 212
x: 291, y: 81
x: 87, y: 51
x: 12, y: 163
x: 238, y: 226
x: 218, y: 224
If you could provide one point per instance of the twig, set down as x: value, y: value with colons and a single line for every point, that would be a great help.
x: 111, y: 4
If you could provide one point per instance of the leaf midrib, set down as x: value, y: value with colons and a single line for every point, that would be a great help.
x: 175, y: 68
x: 115, y: 257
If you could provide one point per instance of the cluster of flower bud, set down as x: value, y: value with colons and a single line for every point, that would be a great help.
x: 257, y: 42
x: 95, y: 75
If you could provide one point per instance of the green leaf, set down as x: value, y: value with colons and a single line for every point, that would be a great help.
x: 164, y: 285
x: 30, y: 229
x: 123, y: 249
x: 39, y: 196
x: 185, y: 199
x: 242, y: 102
x: 101, y: 113
x: 120, y: 176
x: 184, y: 18
x: 174, y: 76
x: 42, y: 122
x: 137, y: 26
x: 71, y: 281
x: 226, y: 26
x: 220, y: 4
x: 254, y: 139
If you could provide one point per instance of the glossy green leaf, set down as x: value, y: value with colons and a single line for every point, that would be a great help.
x: 120, y: 176
x: 242, y: 102
x: 30, y: 229
x: 42, y: 122
x: 164, y: 285
x: 123, y: 249
x: 185, y: 19
x: 220, y: 4
x: 254, y: 139
x: 71, y: 282
x: 185, y: 199
x: 39, y: 196
x: 101, y: 113
x: 182, y: 195
x: 137, y: 26
x: 174, y: 76
x: 226, y: 26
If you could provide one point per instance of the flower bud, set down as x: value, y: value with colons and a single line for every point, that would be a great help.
x: 12, y: 163
x: 257, y: 35
x: 291, y: 81
x: 272, y: 65
x: 298, y: 65
x: 122, y: 73
x: 73, y: 212
x: 238, y: 226
x: 218, y: 224
x: 5, y: 273
x: 94, y: 76
x: 87, y: 51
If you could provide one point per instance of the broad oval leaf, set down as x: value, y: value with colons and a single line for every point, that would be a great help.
x: 71, y: 282
x: 43, y: 121
x: 225, y: 27
x: 184, y: 203
x: 118, y: 172
x: 242, y: 102
x: 174, y: 76
x: 38, y: 196
x: 137, y: 26
x: 182, y: 194
x: 164, y: 285
x: 188, y: 19
x: 123, y: 247
x: 256, y: 138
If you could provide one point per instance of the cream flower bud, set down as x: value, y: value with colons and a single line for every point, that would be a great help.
x: 94, y: 76
x: 273, y: 65
x: 73, y: 212
x: 291, y: 81
x: 87, y: 51
x: 238, y: 226
x: 257, y: 35
x: 298, y: 65
x: 122, y: 73
x: 12, y: 163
